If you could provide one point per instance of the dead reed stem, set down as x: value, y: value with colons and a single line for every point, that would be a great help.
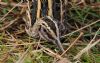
x: 38, y: 9
x: 50, y: 8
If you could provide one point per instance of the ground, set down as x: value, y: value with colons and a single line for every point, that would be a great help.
x: 81, y: 39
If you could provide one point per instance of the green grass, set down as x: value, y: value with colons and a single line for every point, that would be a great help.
x: 77, y: 18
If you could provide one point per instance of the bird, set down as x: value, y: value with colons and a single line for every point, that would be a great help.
x: 49, y: 31
x: 44, y: 25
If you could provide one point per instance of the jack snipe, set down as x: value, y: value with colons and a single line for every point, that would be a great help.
x: 44, y: 25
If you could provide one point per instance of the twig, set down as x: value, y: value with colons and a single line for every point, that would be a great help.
x: 50, y: 8
x: 9, y: 24
x: 55, y: 55
x: 38, y: 9
x: 20, y: 60
x: 72, y: 44
x: 10, y: 11
x: 94, y: 37
x: 13, y: 4
x: 86, y: 49
x: 61, y: 12
x: 81, y: 28
x: 50, y: 52
x: 89, y: 46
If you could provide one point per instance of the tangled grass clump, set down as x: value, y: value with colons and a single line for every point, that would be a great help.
x: 49, y: 31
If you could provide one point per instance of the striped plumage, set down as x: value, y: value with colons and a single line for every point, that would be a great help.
x: 49, y: 31
x: 44, y: 25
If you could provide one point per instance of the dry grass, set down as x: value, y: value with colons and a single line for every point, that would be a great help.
x: 77, y: 23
